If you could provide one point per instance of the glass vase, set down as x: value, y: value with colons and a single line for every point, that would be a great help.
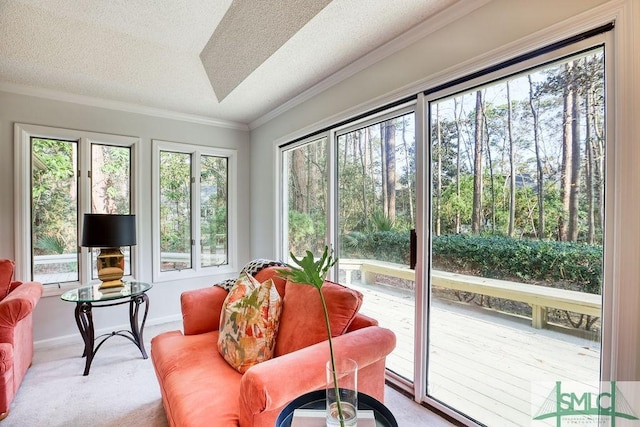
x: 347, y: 376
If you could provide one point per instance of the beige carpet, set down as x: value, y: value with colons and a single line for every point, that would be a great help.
x: 121, y: 390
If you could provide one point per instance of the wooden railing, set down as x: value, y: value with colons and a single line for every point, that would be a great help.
x: 540, y: 298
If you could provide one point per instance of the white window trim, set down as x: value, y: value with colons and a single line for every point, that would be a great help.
x: 232, y: 214
x: 22, y: 200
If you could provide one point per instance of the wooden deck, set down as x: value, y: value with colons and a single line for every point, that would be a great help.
x: 484, y: 363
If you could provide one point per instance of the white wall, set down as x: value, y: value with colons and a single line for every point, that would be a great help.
x: 492, y: 33
x: 53, y: 317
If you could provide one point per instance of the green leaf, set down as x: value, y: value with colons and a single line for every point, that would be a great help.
x: 307, y: 270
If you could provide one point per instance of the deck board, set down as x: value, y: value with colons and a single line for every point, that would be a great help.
x: 482, y: 362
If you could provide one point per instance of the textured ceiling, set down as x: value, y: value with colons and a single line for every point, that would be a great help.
x: 147, y: 53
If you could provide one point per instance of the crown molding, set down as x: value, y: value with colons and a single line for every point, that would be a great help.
x: 407, y: 38
x: 118, y: 106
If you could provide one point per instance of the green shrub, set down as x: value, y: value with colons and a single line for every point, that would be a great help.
x: 390, y: 246
x: 570, y: 265
x: 577, y: 264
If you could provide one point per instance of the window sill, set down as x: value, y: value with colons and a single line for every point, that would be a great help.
x: 54, y: 290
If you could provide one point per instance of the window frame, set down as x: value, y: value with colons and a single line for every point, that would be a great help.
x: 196, y: 152
x: 22, y: 202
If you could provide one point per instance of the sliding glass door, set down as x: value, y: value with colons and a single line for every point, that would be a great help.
x: 504, y: 179
x: 375, y: 214
x: 516, y: 237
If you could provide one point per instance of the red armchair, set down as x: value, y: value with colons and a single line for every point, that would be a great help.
x: 17, y: 302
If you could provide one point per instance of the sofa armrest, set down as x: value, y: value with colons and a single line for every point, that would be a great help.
x: 261, y: 387
x: 361, y: 321
x: 201, y: 309
x: 19, y: 303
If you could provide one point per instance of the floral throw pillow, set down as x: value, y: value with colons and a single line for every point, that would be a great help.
x: 249, y: 322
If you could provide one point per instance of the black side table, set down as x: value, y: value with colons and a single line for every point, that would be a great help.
x: 317, y: 400
x: 88, y: 297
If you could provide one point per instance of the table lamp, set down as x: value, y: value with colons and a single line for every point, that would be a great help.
x: 109, y: 233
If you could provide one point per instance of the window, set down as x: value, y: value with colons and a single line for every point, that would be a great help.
x: 192, y: 201
x: 54, y: 210
x: 61, y: 175
x: 110, y: 189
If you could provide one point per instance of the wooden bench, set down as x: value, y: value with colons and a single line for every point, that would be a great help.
x: 540, y: 298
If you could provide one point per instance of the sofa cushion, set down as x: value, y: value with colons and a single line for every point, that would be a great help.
x: 6, y: 274
x: 302, y: 321
x: 249, y: 322
x: 199, y: 388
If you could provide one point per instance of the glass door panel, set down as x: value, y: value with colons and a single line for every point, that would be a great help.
x: 305, y: 198
x: 376, y: 211
x: 517, y: 214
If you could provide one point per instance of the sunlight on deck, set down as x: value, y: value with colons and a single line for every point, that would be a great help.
x: 483, y: 362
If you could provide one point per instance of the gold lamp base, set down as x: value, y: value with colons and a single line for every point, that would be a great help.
x: 110, y: 264
x: 111, y: 284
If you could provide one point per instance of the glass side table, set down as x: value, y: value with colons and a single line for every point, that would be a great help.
x: 89, y: 297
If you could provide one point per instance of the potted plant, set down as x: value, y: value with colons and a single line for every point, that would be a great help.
x: 308, y: 271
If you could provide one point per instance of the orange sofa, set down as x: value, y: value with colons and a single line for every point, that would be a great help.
x: 17, y: 301
x: 199, y: 388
